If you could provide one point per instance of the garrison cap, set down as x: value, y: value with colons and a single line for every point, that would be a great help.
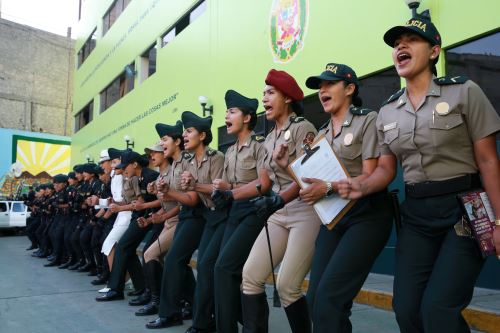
x: 420, y: 24
x: 190, y: 119
x: 285, y: 83
x: 154, y: 148
x: 171, y: 131
x: 131, y: 156
x: 333, y: 72
x: 60, y: 178
x: 78, y: 168
x: 236, y: 100
x: 49, y: 186
x: 72, y: 175
x: 116, y: 153
x: 89, y: 168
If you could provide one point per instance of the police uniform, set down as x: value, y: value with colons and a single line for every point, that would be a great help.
x: 46, y: 220
x: 125, y: 259
x: 77, y: 206
x: 60, y: 218
x: 344, y: 255
x: 436, y: 267
x: 292, y: 229
x: 241, y: 166
x: 154, y: 252
x: 33, y: 222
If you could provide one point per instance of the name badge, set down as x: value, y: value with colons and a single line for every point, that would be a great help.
x: 390, y: 126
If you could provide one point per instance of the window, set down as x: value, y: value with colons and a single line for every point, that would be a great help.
x: 87, y: 48
x: 18, y: 207
x: 3, y: 207
x: 183, y: 22
x: 112, y: 14
x: 84, y: 117
x: 480, y: 61
x: 121, y: 86
x: 149, y: 58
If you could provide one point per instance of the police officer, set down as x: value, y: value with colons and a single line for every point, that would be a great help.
x: 125, y: 258
x: 292, y: 229
x: 199, y: 228
x: 72, y: 221
x: 60, y: 209
x: 42, y: 231
x: 442, y: 130
x: 33, y: 222
x: 78, y: 211
x: 241, y: 164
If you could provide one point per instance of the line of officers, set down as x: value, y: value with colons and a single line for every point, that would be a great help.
x: 245, y: 215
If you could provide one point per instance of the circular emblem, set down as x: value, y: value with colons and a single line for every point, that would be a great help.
x: 443, y: 108
x: 348, y: 139
x: 289, y: 20
x: 287, y: 135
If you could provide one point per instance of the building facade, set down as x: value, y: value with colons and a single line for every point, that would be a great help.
x: 142, y: 62
x: 36, y: 79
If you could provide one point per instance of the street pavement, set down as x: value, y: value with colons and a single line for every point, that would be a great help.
x: 37, y: 299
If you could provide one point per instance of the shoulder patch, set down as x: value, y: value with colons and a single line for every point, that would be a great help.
x: 296, y: 119
x: 187, y: 156
x: 360, y: 111
x: 258, y: 138
x: 449, y: 80
x: 394, y: 96
x: 211, y: 152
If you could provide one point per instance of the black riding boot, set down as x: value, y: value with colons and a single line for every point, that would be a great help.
x: 255, y: 313
x: 298, y: 316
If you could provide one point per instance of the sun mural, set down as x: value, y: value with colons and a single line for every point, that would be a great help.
x: 37, y: 157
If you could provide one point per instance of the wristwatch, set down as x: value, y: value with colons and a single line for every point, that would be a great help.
x: 329, y: 189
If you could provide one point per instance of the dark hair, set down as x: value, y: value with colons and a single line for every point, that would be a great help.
x: 297, y: 107
x: 253, y: 117
x: 208, y: 137
x: 355, y: 99
x: 178, y: 136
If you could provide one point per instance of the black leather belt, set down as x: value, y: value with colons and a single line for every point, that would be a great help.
x: 434, y: 188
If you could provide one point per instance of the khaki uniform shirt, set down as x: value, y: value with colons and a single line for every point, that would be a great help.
x: 356, y: 141
x: 166, y: 177
x: 435, y: 141
x: 207, y: 170
x: 241, y: 166
x: 131, y: 189
x: 295, y: 130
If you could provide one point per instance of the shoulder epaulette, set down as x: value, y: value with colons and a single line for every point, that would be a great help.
x: 294, y: 119
x: 325, y: 125
x: 211, y: 152
x: 394, y: 96
x: 187, y: 156
x: 360, y: 111
x: 448, y: 80
x: 258, y: 138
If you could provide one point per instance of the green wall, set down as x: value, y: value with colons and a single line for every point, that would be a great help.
x: 229, y: 47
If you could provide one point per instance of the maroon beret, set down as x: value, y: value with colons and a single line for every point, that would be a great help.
x: 285, y: 83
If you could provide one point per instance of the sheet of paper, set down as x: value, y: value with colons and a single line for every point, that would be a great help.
x: 324, y: 165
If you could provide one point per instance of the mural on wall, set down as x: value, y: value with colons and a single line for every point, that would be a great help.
x: 289, y: 20
x: 34, y: 161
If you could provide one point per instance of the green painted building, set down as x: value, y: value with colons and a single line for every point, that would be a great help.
x: 140, y: 62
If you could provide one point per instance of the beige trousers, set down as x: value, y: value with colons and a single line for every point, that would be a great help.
x: 292, y: 231
x: 160, y: 246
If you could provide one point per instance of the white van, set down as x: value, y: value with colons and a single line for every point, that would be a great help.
x: 13, y: 214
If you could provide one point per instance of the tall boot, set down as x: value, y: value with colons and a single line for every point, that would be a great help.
x: 255, y: 313
x: 154, y: 273
x: 298, y: 316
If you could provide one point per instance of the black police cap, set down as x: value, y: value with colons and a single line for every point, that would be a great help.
x: 72, y: 175
x: 78, y: 168
x: 236, y: 100
x: 420, y: 24
x: 49, y: 186
x: 89, y: 168
x: 131, y: 156
x: 190, y: 119
x: 116, y: 153
x: 333, y: 72
x: 60, y: 178
x: 164, y: 129
x: 98, y: 170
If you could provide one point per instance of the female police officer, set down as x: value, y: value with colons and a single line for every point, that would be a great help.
x: 292, y: 229
x: 241, y: 164
x: 443, y: 133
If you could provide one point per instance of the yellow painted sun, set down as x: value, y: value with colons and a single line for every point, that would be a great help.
x: 42, y: 156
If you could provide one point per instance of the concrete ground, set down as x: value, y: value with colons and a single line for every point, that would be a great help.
x: 37, y: 299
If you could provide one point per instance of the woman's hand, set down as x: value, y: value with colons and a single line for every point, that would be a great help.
x: 151, y: 188
x: 219, y: 184
x: 280, y: 155
x: 142, y: 222
x: 187, y: 181
x: 349, y: 188
x: 138, y: 205
x: 314, y: 192
x: 114, y: 208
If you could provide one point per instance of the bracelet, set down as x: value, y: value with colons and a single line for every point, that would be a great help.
x: 497, y: 222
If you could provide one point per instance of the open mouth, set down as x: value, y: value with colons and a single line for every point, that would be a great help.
x: 229, y: 124
x: 403, y: 58
x: 268, y: 108
x: 325, y: 98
